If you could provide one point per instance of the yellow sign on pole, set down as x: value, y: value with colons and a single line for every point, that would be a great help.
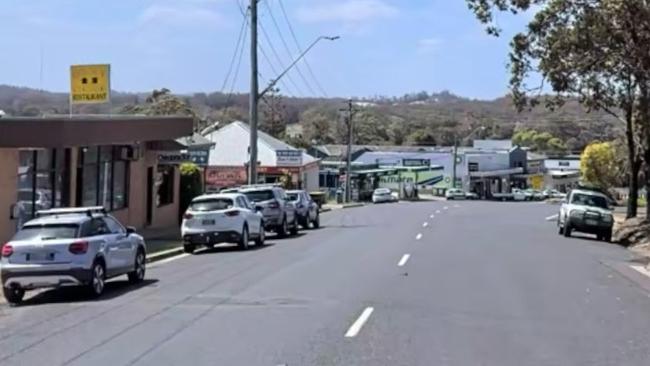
x: 90, y: 84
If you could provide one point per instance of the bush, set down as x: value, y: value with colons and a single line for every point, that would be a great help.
x: 191, y: 185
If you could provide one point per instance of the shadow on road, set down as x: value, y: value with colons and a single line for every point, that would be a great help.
x: 114, y: 288
x: 230, y: 248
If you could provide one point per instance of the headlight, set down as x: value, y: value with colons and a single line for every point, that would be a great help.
x: 576, y: 213
x: 607, y: 218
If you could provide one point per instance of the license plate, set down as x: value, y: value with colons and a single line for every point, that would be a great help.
x: 207, y: 222
x: 591, y: 222
x: 40, y: 256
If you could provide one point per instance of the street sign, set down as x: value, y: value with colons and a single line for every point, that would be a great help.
x: 416, y: 162
x: 199, y: 157
x: 90, y: 84
x: 173, y: 158
x: 288, y: 157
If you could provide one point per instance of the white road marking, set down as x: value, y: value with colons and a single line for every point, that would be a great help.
x: 432, y: 216
x: 446, y: 208
x: 552, y: 218
x: 642, y: 270
x: 171, y: 259
x: 355, y: 328
x: 425, y: 224
x: 419, y: 236
x: 437, y: 211
x: 405, y: 258
x: 456, y: 206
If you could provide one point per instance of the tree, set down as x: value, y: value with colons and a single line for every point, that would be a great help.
x: 598, y: 165
x: 163, y: 103
x: 597, y: 51
x: 191, y: 185
x: 317, y: 124
x: 274, y: 121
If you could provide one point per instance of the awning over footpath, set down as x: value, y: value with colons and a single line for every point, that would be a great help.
x: 496, y: 173
x: 50, y: 132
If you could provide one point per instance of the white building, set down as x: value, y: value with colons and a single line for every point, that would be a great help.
x: 276, y: 160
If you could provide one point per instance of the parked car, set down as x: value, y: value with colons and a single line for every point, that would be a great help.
x: 586, y: 211
x: 70, y: 246
x: 533, y: 195
x: 306, y: 209
x: 382, y: 195
x: 455, y: 194
x: 279, y: 212
x: 471, y: 196
x: 553, y: 193
x: 220, y: 218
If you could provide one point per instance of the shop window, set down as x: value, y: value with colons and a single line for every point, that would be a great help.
x: 102, y: 178
x: 165, y: 185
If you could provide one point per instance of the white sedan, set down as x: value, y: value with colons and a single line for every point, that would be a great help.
x: 218, y: 218
x: 381, y: 195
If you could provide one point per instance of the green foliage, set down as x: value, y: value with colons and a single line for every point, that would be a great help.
x: 598, y: 165
x: 539, y: 141
x: 191, y: 184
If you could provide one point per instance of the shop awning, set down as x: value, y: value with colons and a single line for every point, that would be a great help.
x: 65, y: 131
x: 375, y: 172
x: 496, y: 173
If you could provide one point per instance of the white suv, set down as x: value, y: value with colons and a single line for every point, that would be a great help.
x: 586, y: 211
x: 70, y: 246
x: 218, y: 218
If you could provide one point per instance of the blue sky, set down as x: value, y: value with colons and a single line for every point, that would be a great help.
x: 387, y: 47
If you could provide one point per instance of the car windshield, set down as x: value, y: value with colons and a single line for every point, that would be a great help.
x: 213, y: 204
x: 47, y: 232
x: 382, y: 191
x: 590, y: 200
x: 259, y: 196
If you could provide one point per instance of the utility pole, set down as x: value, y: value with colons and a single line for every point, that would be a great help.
x: 348, y: 175
x: 453, y: 174
x: 254, y: 97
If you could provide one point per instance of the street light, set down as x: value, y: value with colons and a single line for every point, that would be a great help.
x: 302, y: 55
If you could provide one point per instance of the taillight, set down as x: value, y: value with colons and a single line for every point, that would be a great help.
x: 232, y: 213
x: 274, y: 204
x: 80, y: 247
x: 7, y: 250
x: 188, y: 216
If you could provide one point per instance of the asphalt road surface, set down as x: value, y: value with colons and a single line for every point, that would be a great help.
x: 478, y: 283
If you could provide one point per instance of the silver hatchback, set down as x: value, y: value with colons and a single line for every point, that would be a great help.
x: 70, y: 246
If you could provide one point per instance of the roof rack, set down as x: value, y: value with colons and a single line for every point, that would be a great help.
x: 72, y: 210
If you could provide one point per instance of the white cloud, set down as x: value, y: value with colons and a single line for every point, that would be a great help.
x: 181, y: 15
x: 429, y: 45
x: 348, y: 11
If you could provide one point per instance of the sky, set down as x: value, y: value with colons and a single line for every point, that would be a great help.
x: 387, y: 47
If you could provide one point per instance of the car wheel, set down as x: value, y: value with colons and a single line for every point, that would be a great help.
x: 316, y: 222
x: 189, y: 248
x: 261, y: 237
x: 608, y: 236
x: 244, y: 239
x: 304, y: 222
x: 97, y: 279
x: 137, y: 275
x: 14, y: 294
x: 284, y: 228
x: 567, y: 230
x: 294, y: 227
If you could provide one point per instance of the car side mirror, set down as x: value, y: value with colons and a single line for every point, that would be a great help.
x: 130, y: 230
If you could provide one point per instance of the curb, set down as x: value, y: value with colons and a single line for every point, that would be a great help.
x: 324, y: 210
x: 352, y: 205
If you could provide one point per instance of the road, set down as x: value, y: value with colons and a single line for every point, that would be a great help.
x: 478, y: 283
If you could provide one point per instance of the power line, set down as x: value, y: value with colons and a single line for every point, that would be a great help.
x: 275, y: 72
x: 286, y: 47
x: 299, y: 47
x: 240, y: 39
x: 278, y: 58
x: 241, y: 54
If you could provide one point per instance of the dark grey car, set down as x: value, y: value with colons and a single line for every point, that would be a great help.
x: 306, y: 208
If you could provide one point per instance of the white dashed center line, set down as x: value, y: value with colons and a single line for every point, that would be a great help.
x: 432, y: 216
x: 437, y: 211
x: 552, y: 217
x: 355, y: 328
x: 419, y: 236
x: 446, y: 208
x: 425, y: 224
x: 405, y: 258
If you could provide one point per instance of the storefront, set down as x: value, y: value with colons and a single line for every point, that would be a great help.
x: 89, y: 161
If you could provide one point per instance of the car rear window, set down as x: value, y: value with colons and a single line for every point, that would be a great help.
x: 212, y: 204
x: 293, y: 196
x: 590, y: 200
x: 382, y: 191
x: 47, y: 232
x: 259, y: 196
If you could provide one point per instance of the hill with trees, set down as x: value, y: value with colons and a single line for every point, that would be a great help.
x: 414, y: 119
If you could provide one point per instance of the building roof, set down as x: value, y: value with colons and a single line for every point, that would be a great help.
x: 66, y: 131
x: 195, y: 142
x: 235, y: 158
